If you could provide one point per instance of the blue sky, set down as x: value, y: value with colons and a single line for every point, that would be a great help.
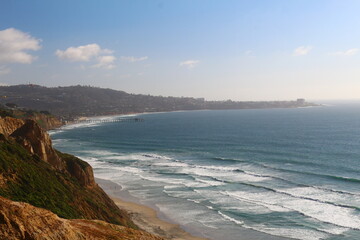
x: 240, y: 50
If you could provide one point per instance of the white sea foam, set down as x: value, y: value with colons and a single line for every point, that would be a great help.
x: 98, y: 153
x: 323, y: 212
x: 53, y: 132
x: 256, y: 199
x: 223, y: 175
x: 169, y: 187
x: 295, y: 233
x: 210, y: 182
x: 171, y: 164
x: 218, y: 168
x: 322, y: 195
x: 231, y: 219
x: 128, y: 169
x: 155, y: 178
x: 185, y: 213
x: 79, y: 125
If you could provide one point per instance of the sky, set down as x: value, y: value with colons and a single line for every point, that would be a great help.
x: 230, y: 49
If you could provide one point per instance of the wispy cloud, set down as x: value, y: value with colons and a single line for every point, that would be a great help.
x: 14, y: 44
x: 302, y: 50
x: 106, y: 62
x: 132, y: 59
x: 349, y: 52
x: 189, y: 63
x: 86, y: 53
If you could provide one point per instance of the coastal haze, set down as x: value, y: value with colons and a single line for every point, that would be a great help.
x: 193, y: 120
x: 217, y: 50
x: 73, y: 102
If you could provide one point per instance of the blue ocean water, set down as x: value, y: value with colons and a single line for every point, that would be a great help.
x: 293, y: 173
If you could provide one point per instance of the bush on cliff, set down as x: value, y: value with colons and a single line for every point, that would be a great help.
x: 25, y: 177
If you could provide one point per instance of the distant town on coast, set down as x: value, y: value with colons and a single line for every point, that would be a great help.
x: 85, y: 101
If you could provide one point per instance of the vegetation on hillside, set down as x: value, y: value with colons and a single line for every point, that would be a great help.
x: 75, y: 101
x: 44, y: 118
x: 25, y: 177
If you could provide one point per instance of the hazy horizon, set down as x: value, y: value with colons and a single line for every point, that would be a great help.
x: 218, y: 50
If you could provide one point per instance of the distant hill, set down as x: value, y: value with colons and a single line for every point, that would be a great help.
x: 76, y: 101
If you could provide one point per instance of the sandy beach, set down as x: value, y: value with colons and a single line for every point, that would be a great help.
x: 143, y: 216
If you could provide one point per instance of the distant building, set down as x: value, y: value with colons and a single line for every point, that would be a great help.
x: 300, y: 100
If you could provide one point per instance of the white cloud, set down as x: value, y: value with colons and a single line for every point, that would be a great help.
x: 106, y: 62
x: 133, y: 59
x: 4, y: 70
x: 86, y: 53
x: 349, y: 52
x: 4, y: 84
x: 302, y: 50
x: 14, y: 44
x: 79, y: 54
x: 189, y: 63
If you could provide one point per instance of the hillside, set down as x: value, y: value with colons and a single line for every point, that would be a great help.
x: 22, y: 221
x: 75, y: 101
x: 32, y: 171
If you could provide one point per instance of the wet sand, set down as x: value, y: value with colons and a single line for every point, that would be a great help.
x: 143, y: 216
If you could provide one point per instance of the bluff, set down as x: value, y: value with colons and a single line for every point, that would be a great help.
x: 32, y: 171
x: 22, y: 221
x: 8, y: 125
x: 43, y: 118
x: 76, y: 101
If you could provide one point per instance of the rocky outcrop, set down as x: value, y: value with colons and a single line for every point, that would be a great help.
x: 22, y: 221
x: 33, y: 138
x: 33, y: 172
x: 8, y: 125
x: 79, y: 169
x: 37, y: 141
x: 47, y: 122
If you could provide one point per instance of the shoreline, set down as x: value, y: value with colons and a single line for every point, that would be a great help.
x: 150, y: 218
x: 145, y: 217
x: 74, y: 122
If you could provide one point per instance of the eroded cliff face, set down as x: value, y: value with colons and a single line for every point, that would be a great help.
x: 22, y: 221
x: 8, y: 125
x: 47, y: 122
x: 37, y: 141
x: 79, y: 169
x: 33, y: 138
x: 32, y: 171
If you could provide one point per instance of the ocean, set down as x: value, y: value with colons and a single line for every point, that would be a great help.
x: 235, y: 174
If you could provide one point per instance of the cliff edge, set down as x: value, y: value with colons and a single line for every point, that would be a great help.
x: 21, y: 221
x: 32, y: 171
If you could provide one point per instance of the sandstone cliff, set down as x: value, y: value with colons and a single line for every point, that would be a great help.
x: 8, y: 125
x: 32, y: 171
x: 43, y: 118
x: 47, y: 122
x: 37, y: 141
x: 21, y: 221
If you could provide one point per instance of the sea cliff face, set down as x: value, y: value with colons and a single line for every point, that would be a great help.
x: 8, y: 125
x: 32, y: 171
x: 37, y: 141
x: 47, y: 122
x: 20, y: 221
x: 44, y: 118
